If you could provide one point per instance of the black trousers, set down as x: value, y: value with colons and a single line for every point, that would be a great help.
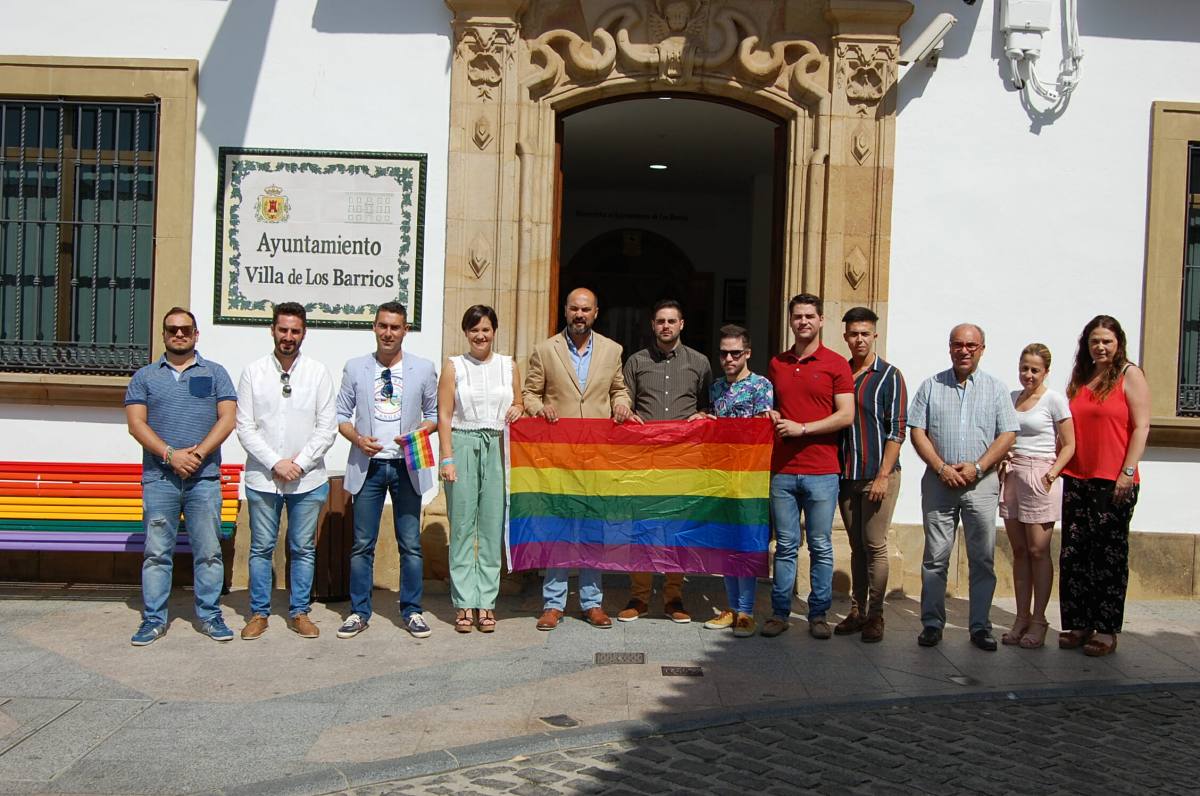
x: 1094, y: 561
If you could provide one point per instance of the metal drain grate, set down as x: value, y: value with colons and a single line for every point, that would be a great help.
x: 606, y: 658
x: 682, y: 671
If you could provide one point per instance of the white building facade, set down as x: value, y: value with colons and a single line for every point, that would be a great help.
x: 985, y: 208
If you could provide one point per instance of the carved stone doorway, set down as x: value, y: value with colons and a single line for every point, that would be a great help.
x: 825, y: 67
x: 651, y: 211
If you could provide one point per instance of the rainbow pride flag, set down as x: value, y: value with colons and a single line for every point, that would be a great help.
x: 666, y: 496
x: 417, y: 449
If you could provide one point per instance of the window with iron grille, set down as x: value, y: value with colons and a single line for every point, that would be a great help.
x: 1189, y: 330
x: 77, y: 200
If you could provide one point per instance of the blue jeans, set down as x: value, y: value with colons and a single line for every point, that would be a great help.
x: 816, y: 496
x: 303, y: 508
x: 554, y: 589
x: 386, y: 476
x: 199, y: 500
x: 942, y: 508
x: 740, y: 592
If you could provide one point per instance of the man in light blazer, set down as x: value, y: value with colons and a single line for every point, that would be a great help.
x: 384, y: 395
x: 576, y: 374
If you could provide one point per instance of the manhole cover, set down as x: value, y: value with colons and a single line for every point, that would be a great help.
x: 603, y: 658
x: 560, y: 720
x: 682, y: 671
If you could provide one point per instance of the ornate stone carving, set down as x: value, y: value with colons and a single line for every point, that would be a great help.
x: 856, y: 267
x: 485, y: 53
x: 677, y: 27
x: 860, y: 143
x: 864, y: 70
x: 683, y: 40
x: 483, y: 132
x: 481, y: 256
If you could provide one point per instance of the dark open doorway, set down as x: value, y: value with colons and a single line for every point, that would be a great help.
x: 704, y: 230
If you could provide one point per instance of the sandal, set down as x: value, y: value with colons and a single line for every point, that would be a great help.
x: 1019, y: 629
x: 1095, y: 648
x: 1074, y: 639
x: 487, y: 621
x: 464, y: 620
x: 1035, y: 638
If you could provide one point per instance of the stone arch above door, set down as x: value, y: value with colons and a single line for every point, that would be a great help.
x: 826, y: 67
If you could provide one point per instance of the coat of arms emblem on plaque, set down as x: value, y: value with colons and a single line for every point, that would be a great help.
x: 272, y: 206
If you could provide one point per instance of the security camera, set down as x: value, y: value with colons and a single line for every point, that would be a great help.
x: 929, y: 43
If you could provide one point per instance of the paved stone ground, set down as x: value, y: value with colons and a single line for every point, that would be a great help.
x: 1127, y: 743
x: 83, y: 712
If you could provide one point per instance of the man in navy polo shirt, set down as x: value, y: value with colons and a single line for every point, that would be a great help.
x: 180, y: 409
x: 814, y: 400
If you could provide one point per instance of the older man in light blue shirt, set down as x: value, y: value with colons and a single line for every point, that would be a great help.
x: 962, y: 424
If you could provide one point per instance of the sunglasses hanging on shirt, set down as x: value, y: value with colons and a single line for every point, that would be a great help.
x: 386, y: 377
x: 286, y: 379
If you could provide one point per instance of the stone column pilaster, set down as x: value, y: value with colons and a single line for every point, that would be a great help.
x: 866, y: 38
x: 482, y: 205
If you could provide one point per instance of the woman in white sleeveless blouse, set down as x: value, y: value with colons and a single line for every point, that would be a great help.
x: 478, y: 394
x: 1031, y: 492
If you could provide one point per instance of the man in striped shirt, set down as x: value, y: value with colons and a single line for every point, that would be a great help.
x: 870, y: 472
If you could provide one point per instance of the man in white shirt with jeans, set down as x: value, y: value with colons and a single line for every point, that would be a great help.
x: 286, y: 421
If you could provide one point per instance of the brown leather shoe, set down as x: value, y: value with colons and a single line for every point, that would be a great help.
x: 304, y: 626
x: 853, y: 623
x: 818, y: 628
x: 635, y: 609
x: 872, y: 630
x: 254, y: 628
x: 675, y: 612
x: 597, y: 618
x: 549, y: 619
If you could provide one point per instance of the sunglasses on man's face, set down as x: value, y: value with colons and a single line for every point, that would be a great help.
x: 186, y: 331
x: 731, y: 354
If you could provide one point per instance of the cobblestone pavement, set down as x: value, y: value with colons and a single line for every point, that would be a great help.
x: 1126, y: 743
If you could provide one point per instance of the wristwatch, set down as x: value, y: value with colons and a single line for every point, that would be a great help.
x: 1129, y: 471
x: 978, y: 471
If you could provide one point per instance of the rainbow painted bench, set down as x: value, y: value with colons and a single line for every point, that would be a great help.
x: 87, y: 507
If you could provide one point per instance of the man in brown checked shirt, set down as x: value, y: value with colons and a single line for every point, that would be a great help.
x: 667, y: 381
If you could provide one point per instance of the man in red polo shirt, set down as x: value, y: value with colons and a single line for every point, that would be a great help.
x: 814, y: 400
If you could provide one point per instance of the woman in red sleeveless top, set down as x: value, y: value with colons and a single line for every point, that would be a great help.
x: 1110, y: 404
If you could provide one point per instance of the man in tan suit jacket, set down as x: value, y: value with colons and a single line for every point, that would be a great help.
x: 576, y: 374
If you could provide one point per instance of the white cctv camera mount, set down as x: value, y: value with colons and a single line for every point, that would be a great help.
x: 928, y: 45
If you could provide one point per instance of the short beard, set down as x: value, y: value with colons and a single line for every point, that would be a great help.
x: 186, y: 348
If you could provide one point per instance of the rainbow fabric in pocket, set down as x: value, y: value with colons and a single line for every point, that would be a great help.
x: 417, y: 449
x: 666, y: 496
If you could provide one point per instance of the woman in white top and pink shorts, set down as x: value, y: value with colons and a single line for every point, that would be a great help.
x: 1031, y: 493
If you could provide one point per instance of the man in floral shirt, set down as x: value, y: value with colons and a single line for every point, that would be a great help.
x: 740, y: 394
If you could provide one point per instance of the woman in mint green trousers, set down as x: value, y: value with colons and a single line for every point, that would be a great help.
x: 479, y: 393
